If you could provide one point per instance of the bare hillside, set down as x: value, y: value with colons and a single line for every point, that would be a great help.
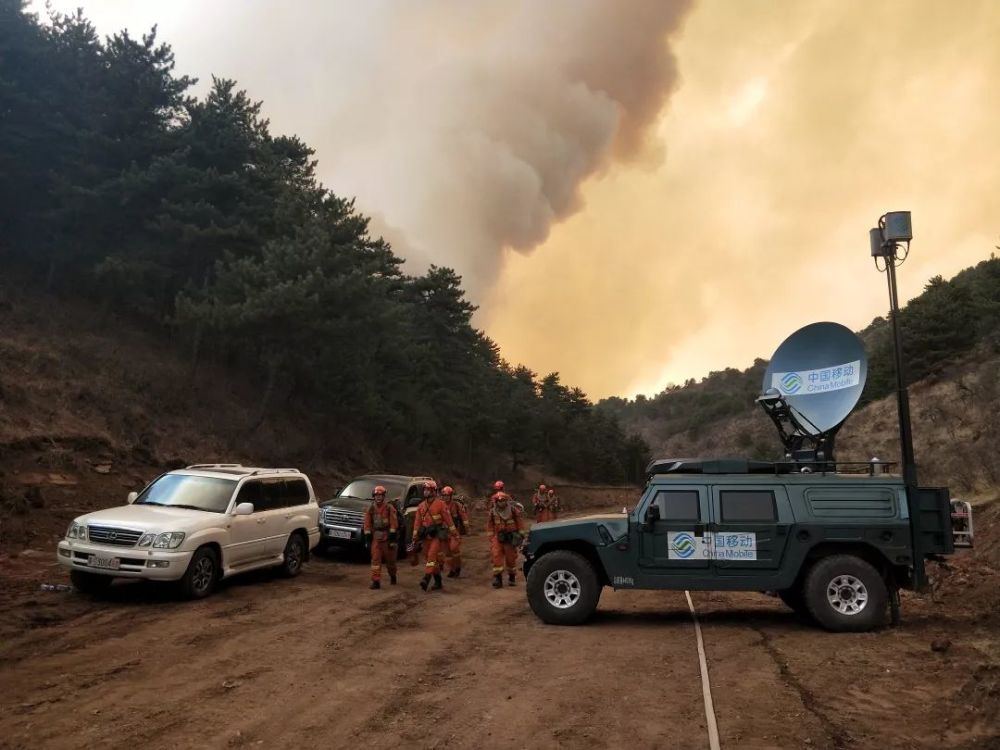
x: 956, y: 424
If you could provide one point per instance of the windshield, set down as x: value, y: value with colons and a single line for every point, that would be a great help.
x: 183, y: 491
x: 362, y: 488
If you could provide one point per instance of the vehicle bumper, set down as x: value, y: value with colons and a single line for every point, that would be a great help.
x: 156, y: 565
x: 341, y: 533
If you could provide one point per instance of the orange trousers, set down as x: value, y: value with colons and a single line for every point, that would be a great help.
x: 503, y: 556
x: 383, y: 553
x: 433, y: 551
x: 545, y: 515
x: 454, y: 554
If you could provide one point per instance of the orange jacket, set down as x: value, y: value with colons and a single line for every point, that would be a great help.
x: 433, y: 512
x: 381, y: 520
x: 458, y: 514
x: 496, y: 523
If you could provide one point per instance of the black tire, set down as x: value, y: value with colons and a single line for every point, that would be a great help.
x: 563, y: 588
x: 846, y: 594
x: 202, y: 574
x: 296, y: 549
x: 90, y: 583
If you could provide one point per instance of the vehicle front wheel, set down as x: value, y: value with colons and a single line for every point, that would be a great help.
x: 563, y: 588
x: 295, y: 555
x: 846, y: 594
x: 202, y: 574
x: 90, y: 583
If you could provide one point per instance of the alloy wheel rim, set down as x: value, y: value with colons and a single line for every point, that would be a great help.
x: 847, y: 595
x: 562, y: 589
x: 203, y: 572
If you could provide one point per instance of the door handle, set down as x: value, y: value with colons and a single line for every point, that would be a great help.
x: 261, y: 520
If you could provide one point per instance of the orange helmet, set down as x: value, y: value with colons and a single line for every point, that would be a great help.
x: 379, y: 490
x: 552, y: 492
x: 541, y: 488
x: 431, y: 485
x: 498, y: 486
x: 447, y: 491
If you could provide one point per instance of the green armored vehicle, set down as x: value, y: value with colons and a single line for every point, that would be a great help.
x: 835, y: 546
x: 836, y: 541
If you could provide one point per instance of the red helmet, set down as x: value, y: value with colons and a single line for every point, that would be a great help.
x: 379, y: 490
x: 541, y: 488
x: 447, y: 491
x: 498, y: 486
x: 431, y: 485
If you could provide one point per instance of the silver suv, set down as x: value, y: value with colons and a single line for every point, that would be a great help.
x: 196, y: 526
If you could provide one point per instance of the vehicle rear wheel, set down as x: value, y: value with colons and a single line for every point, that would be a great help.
x: 90, y: 583
x: 201, y: 575
x: 563, y: 588
x: 846, y: 594
x: 295, y: 555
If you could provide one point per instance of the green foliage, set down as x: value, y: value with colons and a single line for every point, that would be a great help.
x: 190, y: 215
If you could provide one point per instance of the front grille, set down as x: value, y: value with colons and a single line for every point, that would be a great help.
x: 339, y: 515
x: 112, y: 535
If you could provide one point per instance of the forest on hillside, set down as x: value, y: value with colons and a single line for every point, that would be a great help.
x: 948, y: 320
x: 188, y: 215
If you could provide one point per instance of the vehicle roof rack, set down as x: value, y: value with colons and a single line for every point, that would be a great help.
x: 215, y: 466
x: 274, y: 471
x: 750, y: 466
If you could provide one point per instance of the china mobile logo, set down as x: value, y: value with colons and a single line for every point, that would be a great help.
x: 791, y: 382
x: 684, y: 545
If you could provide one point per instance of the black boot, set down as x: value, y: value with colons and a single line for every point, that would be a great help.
x: 510, y: 579
x: 392, y: 578
x: 497, y: 581
x: 437, y: 582
x: 425, y: 582
x: 375, y: 585
x: 453, y: 574
x: 458, y: 572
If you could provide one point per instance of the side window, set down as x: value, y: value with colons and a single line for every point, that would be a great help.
x: 250, y: 493
x: 678, y: 505
x: 296, y: 492
x: 272, y: 494
x: 414, y: 496
x: 747, y: 506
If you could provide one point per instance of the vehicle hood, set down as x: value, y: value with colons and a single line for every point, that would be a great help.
x: 597, y: 529
x: 347, y: 503
x: 151, y: 518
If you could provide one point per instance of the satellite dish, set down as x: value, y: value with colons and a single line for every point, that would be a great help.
x: 812, y: 384
x: 820, y: 371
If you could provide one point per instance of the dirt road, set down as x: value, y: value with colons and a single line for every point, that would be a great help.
x: 320, y: 661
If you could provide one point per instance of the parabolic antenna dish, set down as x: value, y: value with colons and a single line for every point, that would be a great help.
x: 820, y: 370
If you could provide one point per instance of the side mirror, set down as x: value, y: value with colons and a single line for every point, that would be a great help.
x: 651, y: 517
x: 132, y: 497
x: 243, y: 509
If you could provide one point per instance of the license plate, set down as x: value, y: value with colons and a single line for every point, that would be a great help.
x: 338, y: 534
x: 109, y: 563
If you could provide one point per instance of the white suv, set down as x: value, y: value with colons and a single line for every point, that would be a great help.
x: 197, y: 526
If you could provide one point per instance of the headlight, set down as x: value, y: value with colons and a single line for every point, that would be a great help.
x: 145, y: 540
x: 76, y: 531
x: 169, y: 540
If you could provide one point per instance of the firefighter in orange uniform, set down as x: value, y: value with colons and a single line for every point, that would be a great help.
x: 505, y: 527
x: 540, y: 504
x: 381, y: 527
x: 458, y: 513
x: 553, y: 505
x: 432, y: 529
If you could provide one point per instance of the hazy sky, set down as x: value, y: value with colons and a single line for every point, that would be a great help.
x: 636, y: 192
